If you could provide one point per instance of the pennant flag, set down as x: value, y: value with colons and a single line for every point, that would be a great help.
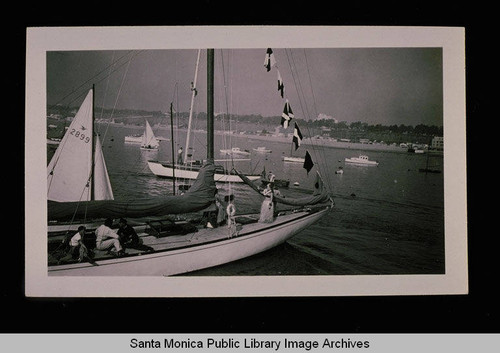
x: 269, y: 62
x: 297, y: 136
x: 281, y: 87
x: 287, y: 115
x: 308, y: 163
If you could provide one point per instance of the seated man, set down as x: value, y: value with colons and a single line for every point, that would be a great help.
x: 76, y: 246
x: 108, y: 239
x: 129, y: 238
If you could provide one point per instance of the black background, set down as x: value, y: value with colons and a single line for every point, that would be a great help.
x: 476, y: 312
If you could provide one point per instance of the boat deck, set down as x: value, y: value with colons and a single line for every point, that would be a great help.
x: 163, y: 237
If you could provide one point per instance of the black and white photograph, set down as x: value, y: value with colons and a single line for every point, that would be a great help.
x: 261, y: 161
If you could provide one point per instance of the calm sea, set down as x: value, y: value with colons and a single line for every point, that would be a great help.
x: 386, y: 220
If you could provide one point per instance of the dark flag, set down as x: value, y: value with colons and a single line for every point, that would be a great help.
x: 308, y: 163
x: 281, y: 87
x: 297, y: 136
x: 287, y: 115
x: 269, y: 62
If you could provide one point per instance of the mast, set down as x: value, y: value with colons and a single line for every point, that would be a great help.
x: 92, y: 164
x: 193, y: 94
x: 210, y: 104
x: 172, y: 143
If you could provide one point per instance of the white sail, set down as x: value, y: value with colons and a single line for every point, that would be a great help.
x: 149, y: 139
x: 102, y: 185
x: 70, y: 170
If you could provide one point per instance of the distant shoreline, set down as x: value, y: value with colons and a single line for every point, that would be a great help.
x: 322, y: 142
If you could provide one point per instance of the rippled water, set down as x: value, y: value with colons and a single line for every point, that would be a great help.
x: 387, y: 219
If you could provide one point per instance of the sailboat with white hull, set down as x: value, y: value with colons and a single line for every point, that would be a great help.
x: 188, y: 170
x: 176, y: 247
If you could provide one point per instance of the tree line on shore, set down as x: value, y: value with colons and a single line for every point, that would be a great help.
x: 255, y: 123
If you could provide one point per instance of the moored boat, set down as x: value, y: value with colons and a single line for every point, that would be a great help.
x: 361, y: 160
x: 262, y: 150
x: 235, y: 151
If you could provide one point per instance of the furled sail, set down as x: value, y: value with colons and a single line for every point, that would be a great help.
x: 199, y: 196
x: 69, y: 173
x: 320, y: 193
x: 148, y: 138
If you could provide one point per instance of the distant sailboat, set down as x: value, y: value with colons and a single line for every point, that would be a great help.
x: 149, y: 140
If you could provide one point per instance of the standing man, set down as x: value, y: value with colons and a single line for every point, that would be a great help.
x: 179, y: 156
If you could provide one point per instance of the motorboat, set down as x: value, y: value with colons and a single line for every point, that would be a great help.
x: 361, y: 160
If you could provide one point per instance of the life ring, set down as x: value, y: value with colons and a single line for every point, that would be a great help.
x: 231, y: 210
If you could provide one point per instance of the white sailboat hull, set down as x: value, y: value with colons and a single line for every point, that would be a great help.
x: 133, y: 139
x: 293, y: 159
x: 166, y: 171
x: 361, y: 162
x: 252, y: 239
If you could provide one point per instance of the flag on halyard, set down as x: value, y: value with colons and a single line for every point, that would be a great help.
x: 281, y: 87
x: 287, y: 115
x: 297, y: 136
x: 308, y: 163
x: 270, y: 61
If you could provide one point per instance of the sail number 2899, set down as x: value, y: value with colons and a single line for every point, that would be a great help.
x: 80, y: 135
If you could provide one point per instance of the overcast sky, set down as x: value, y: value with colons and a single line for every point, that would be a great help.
x: 373, y: 85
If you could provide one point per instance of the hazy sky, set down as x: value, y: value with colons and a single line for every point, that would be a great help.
x: 373, y: 85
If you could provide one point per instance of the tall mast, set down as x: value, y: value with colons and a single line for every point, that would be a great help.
x: 173, y: 148
x: 210, y: 104
x: 193, y: 94
x: 92, y: 186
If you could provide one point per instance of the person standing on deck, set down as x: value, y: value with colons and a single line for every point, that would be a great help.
x: 108, y: 239
x: 267, y: 207
x: 179, y: 156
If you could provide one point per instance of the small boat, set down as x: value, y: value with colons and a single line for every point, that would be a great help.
x: 133, y: 138
x: 191, y: 171
x: 294, y: 159
x: 361, y: 160
x: 53, y: 141
x: 149, y: 141
x: 262, y: 150
x: 235, y: 151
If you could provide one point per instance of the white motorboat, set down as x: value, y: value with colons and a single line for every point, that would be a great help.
x: 361, y: 160
x: 262, y: 150
x: 289, y: 159
x: 235, y: 151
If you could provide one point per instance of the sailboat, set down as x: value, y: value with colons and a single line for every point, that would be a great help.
x: 177, y: 247
x: 149, y: 140
x: 188, y: 170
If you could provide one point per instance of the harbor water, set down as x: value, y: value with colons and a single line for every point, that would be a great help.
x: 387, y: 219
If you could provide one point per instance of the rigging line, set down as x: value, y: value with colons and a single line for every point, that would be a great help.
x: 315, y: 108
x: 225, y: 95
x: 96, y: 75
x: 116, y: 101
x: 301, y: 95
x: 107, y: 84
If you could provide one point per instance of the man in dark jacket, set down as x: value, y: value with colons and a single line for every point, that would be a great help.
x: 129, y: 238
